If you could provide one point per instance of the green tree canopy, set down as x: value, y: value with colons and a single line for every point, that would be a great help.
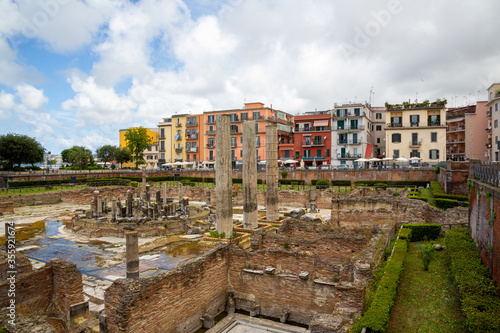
x: 17, y: 149
x: 137, y: 141
x: 106, y: 153
x: 123, y: 156
x: 79, y: 157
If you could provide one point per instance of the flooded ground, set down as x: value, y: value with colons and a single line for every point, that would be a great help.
x: 43, y: 241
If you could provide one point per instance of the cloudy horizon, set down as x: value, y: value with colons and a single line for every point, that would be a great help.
x: 75, y: 72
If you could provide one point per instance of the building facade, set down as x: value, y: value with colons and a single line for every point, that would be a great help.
x: 465, y: 136
x: 416, y: 130
x: 165, y: 141
x: 252, y: 111
x: 493, y: 116
x: 312, y: 138
x: 352, y: 136
x: 378, y: 121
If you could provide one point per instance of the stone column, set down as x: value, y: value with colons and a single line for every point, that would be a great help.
x: 113, y: 210
x: 95, y: 203
x: 99, y: 207
x: 272, y: 172
x: 130, y: 200
x: 250, y: 217
x: 164, y: 193
x: 147, y: 195
x: 132, y: 255
x: 223, y: 176
x: 208, y: 197
x: 143, y: 168
x: 158, y: 198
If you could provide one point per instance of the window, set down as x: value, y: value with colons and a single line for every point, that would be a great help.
x: 434, y: 120
x: 414, y: 153
x: 434, y: 137
x: 378, y: 128
x: 355, y: 138
x: 210, y: 142
x: 414, y: 120
x: 257, y: 141
x: 233, y: 155
x: 307, y: 140
x: 211, y: 155
x: 244, y: 116
x: 378, y: 115
x: 357, y: 111
x: 256, y: 127
x: 396, y: 122
x: 434, y: 154
x: 287, y: 153
x: 378, y: 141
x: 297, y: 154
x: 317, y: 140
x: 328, y: 153
x: 396, y: 138
x: 307, y: 153
x: 233, y: 141
x: 396, y: 153
x: 211, y: 128
x: 241, y: 152
x: 234, y: 117
x: 256, y: 115
x: 162, y: 133
x: 211, y: 119
x: 496, y: 107
x: 318, y: 153
x: 496, y: 123
x: 234, y: 128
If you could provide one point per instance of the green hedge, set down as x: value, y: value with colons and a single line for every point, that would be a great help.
x: 290, y: 181
x: 33, y: 183
x: 478, y: 294
x: 405, y: 233
x: 452, y: 197
x: 209, y: 180
x: 376, y: 318
x: 341, y: 183
x: 436, y: 188
x: 193, y: 179
x: 391, y: 182
x: 447, y: 203
x: 423, y: 231
x: 321, y: 183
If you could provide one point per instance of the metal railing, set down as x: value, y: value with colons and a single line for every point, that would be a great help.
x: 486, y: 172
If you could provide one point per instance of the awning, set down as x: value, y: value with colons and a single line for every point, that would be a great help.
x: 319, y: 123
x: 369, y: 150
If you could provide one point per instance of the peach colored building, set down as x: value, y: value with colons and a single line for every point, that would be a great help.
x: 252, y: 111
x: 493, y: 115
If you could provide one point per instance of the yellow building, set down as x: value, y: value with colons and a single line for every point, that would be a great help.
x: 178, y: 138
x: 150, y: 154
x: 165, y: 142
x: 416, y: 130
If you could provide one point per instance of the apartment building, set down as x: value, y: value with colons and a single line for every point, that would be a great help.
x: 352, y: 136
x: 312, y: 136
x: 165, y: 141
x: 378, y: 133
x: 416, y: 130
x: 465, y: 136
x: 251, y: 111
x: 151, y: 155
x: 493, y: 116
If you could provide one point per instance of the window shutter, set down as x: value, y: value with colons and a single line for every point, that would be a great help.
x: 437, y: 153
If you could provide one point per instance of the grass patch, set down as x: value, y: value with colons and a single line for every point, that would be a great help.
x: 427, y: 193
x: 427, y: 301
x: 40, y: 189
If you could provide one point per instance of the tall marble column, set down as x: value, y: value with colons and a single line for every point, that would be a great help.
x: 223, y: 176
x: 272, y: 173
x: 250, y: 216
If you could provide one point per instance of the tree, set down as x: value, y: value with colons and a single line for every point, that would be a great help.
x: 137, y: 141
x: 77, y: 156
x: 123, y: 156
x: 106, y: 153
x: 20, y: 149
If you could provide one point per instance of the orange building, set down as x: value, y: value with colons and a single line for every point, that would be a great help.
x: 252, y: 111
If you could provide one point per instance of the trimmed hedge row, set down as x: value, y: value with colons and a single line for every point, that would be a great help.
x: 447, y: 203
x: 376, y: 318
x: 322, y: 183
x: 478, y: 294
x: 291, y: 181
x: 405, y: 233
x: 333, y: 182
x: 391, y: 182
x: 424, y: 230
x: 26, y: 183
x: 452, y: 197
x: 436, y: 188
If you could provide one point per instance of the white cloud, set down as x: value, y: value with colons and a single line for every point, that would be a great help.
x: 31, y: 97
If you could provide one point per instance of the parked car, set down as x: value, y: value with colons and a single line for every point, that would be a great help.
x: 341, y: 167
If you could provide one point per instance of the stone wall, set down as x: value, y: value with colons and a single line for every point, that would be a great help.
x: 19, y: 200
x: 365, y: 207
x: 6, y: 207
x: 483, y: 227
x: 453, y: 178
x: 50, y: 290
x: 173, y: 301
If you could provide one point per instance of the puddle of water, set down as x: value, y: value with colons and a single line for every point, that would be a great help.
x: 94, y: 259
x: 25, y: 232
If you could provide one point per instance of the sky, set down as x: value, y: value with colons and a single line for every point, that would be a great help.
x: 74, y: 72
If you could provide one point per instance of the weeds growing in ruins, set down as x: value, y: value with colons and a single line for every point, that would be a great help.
x: 426, y: 253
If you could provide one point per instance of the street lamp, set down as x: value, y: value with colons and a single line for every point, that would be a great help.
x: 48, y: 154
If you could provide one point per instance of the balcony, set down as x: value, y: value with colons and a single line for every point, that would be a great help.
x: 349, y: 128
x: 488, y: 130
x: 192, y: 150
x: 191, y: 123
x: 178, y: 149
x: 415, y: 144
x: 315, y: 143
x: 349, y: 114
x: 394, y: 125
x: 210, y: 121
x: 192, y: 136
x: 235, y: 131
x: 210, y: 146
x: 456, y: 129
x: 312, y: 129
x: 178, y: 124
x: 488, y: 114
x: 348, y: 156
x: 210, y: 133
x: 434, y: 123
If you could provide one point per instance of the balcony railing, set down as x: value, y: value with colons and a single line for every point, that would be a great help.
x: 349, y: 128
x: 192, y: 150
x: 429, y: 124
x: 210, y: 121
x: 191, y: 123
x: 210, y: 146
x: 210, y: 132
x: 312, y: 129
x: 178, y: 149
x: 348, y: 156
x: 415, y: 144
x: 349, y: 114
x: 178, y: 124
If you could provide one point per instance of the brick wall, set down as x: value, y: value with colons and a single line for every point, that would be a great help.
x: 49, y: 290
x: 6, y: 207
x: 173, y: 301
x: 483, y: 228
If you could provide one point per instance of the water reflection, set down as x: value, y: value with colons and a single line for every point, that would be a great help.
x: 94, y: 259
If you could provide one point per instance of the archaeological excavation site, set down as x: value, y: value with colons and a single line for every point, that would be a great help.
x: 227, y: 258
